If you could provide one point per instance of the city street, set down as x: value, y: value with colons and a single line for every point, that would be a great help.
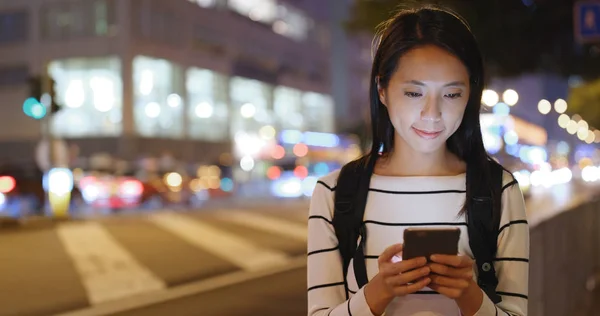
x: 215, y: 262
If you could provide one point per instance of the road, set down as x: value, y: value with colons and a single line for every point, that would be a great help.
x: 170, y: 262
x: 81, y: 264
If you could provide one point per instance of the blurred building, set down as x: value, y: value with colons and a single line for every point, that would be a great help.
x: 144, y: 77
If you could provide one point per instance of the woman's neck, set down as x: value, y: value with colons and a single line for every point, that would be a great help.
x: 407, y: 162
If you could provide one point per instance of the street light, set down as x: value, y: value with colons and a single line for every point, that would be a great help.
x: 510, y: 97
x: 563, y: 120
x: 544, y: 106
x: 591, y: 137
x: 560, y: 106
x: 582, y: 133
x: 572, y: 127
x: 489, y: 97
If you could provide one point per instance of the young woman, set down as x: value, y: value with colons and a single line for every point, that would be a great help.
x: 426, y: 86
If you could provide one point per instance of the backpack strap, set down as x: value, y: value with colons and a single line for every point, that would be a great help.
x: 483, y: 226
x: 350, y: 200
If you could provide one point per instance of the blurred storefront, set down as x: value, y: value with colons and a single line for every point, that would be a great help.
x: 148, y: 78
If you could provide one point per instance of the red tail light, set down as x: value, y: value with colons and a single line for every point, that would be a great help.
x: 131, y: 187
x: 7, y: 184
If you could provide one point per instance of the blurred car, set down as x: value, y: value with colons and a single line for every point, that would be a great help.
x: 177, y: 189
x: 109, y: 191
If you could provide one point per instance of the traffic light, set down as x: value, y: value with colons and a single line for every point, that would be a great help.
x: 54, y: 106
x: 32, y: 105
x: 35, y: 87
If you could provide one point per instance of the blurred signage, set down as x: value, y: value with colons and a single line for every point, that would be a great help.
x: 587, y: 21
x: 529, y: 133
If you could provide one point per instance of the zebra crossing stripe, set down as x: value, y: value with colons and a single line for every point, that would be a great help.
x: 267, y: 223
x: 107, y: 270
x: 230, y: 247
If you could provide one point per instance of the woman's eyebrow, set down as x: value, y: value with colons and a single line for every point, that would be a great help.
x: 450, y: 84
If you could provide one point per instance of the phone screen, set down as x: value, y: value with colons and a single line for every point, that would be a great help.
x: 424, y: 242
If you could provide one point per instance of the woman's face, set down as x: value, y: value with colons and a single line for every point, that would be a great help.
x: 426, y: 98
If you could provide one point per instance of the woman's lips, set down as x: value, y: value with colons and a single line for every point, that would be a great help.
x: 427, y: 134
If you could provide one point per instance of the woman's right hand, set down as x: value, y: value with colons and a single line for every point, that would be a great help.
x: 395, y: 279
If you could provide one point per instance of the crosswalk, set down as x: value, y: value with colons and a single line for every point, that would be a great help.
x: 107, y: 260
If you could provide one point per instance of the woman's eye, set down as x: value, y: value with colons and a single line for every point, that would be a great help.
x: 454, y: 95
x: 412, y: 94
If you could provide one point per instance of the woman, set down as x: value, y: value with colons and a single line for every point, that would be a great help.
x: 426, y: 86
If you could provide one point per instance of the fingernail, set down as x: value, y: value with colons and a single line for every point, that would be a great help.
x: 434, y: 257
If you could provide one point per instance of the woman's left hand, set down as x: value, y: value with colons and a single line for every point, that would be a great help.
x: 451, y: 276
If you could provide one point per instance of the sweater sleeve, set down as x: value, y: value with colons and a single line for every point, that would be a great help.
x: 512, y: 258
x: 326, y: 290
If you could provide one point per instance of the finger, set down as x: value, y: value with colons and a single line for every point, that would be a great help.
x: 454, y: 261
x: 407, y: 265
x: 389, y: 252
x: 408, y: 277
x: 411, y: 288
x: 448, y: 292
x: 449, y: 282
x: 464, y: 273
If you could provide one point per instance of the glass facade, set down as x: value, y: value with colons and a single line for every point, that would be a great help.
x: 90, y: 90
x: 288, y: 108
x: 158, y: 98
x: 207, y: 112
x: 318, y: 112
x: 170, y: 102
x: 251, y: 104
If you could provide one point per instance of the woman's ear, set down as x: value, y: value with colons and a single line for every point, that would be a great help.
x: 381, y: 92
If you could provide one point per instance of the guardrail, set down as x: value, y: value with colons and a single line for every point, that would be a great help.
x: 565, y: 263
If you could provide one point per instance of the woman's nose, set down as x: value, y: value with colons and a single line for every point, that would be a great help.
x: 431, y: 111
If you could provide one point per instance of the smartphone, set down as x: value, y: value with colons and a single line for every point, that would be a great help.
x: 424, y: 242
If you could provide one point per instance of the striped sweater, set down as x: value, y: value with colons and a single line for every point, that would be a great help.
x: 397, y: 203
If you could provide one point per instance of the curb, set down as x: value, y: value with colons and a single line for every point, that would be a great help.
x: 38, y: 222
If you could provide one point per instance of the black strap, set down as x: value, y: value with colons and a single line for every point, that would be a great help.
x: 350, y: 201
x: 483, y: 224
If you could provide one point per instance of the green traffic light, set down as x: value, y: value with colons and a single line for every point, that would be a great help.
x: 38, y: 111
x: 34, y: 109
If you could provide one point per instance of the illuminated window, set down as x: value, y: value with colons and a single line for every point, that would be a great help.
x: 258, y: 10
x: 283, y: 19
x: 207, y: 107
x: 251, y: 103
x: 291, y: 23
x: 158, y: 101
x: 205, y: 3
x: 288, y: 108
x: 90, y: 92
x: 70, y: 19
x: 318, y: 112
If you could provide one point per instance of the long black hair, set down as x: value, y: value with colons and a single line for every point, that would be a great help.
x: 413, y: 28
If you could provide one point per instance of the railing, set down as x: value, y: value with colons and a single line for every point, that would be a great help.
x: 565, y: 263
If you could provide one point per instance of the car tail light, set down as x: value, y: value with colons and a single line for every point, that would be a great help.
x: 131, y: 187
x: 7, y: 184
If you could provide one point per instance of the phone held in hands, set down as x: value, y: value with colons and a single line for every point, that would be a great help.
x: 424, y: 242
